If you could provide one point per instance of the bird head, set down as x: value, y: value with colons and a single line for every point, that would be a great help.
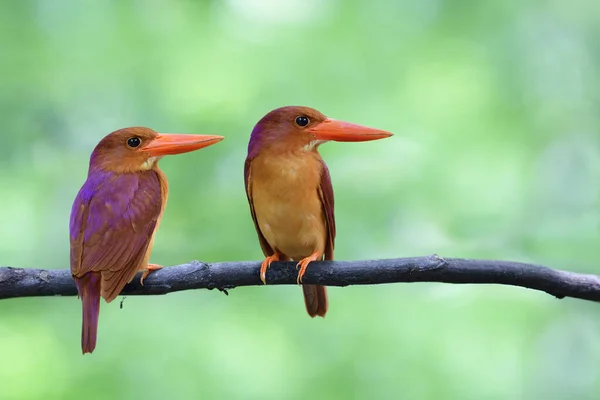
x: 304, y: 128
x: 138, y: 149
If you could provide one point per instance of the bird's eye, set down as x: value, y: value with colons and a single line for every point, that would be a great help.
x: 133, y: 142
x: 302, y: 120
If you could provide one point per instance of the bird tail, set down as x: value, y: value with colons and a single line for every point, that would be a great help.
x: 315, y: 299
x: 89, y: 287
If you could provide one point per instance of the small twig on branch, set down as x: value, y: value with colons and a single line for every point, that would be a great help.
x: 19, y: 282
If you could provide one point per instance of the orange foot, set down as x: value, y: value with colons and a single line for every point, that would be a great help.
x: 266, y: 264
x: 147, y: 270
x: 303, y: 264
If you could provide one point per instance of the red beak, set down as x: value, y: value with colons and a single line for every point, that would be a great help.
x: 341, y: 131
x: 174, y: 143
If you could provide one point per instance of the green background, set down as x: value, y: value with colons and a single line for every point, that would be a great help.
x: 495, y: 107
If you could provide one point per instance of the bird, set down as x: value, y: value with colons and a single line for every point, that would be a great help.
x: 289, y: 190
x: 116, y: 214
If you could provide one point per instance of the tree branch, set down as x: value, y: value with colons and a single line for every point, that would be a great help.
x: 19, y: 282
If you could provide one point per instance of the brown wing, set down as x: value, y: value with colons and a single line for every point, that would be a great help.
x: 112, y: 221
x: 264, y: 245
x: 326, y: 195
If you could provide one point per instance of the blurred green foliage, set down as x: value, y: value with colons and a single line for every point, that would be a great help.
x: 496, y: 155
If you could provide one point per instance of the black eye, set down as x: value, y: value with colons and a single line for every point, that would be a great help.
x: 302, y: 120
x: 133, y: 141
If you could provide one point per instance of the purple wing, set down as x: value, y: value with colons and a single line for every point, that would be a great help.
x: 112, y: 222
x: 264, y: 245
x: 326, y: 195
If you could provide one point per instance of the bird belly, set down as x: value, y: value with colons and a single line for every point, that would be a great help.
x: 289, y: 212
x: 295, y: 233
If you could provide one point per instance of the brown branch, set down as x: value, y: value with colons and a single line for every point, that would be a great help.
x: 19, y: 282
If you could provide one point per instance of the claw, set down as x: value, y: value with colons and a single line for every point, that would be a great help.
x: 266, y: 264
x: 150, y: 268
x: 303, y: 264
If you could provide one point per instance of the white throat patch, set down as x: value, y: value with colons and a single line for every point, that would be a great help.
x: 149, y: 164
x: 312, y: 144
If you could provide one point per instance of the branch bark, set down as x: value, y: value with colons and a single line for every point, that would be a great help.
x: 25, y: 282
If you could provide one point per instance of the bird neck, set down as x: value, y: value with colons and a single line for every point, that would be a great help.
x: 291, y: 167
x: 100, y: 170
x: 283, y: 152
x: 106, y: 165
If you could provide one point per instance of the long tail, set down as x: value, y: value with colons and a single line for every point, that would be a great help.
x: 315, y: 299
x: 88, y: 287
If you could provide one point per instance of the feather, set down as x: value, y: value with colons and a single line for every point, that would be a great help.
x: 314, y: 180
x: 112, y: 224
x: 326, y: 196
x: 315, y: 296
x: 88, y: 288
x: 264, y: 245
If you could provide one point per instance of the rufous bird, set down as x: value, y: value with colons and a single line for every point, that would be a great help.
x: 290, y: 193
x: 116, y: 214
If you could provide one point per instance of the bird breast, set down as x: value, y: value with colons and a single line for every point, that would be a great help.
x: 287, y: 204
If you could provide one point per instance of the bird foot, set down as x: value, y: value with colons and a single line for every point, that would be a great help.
x: 150, y: 268
x: 266, y: 264
x: 303, y: 264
